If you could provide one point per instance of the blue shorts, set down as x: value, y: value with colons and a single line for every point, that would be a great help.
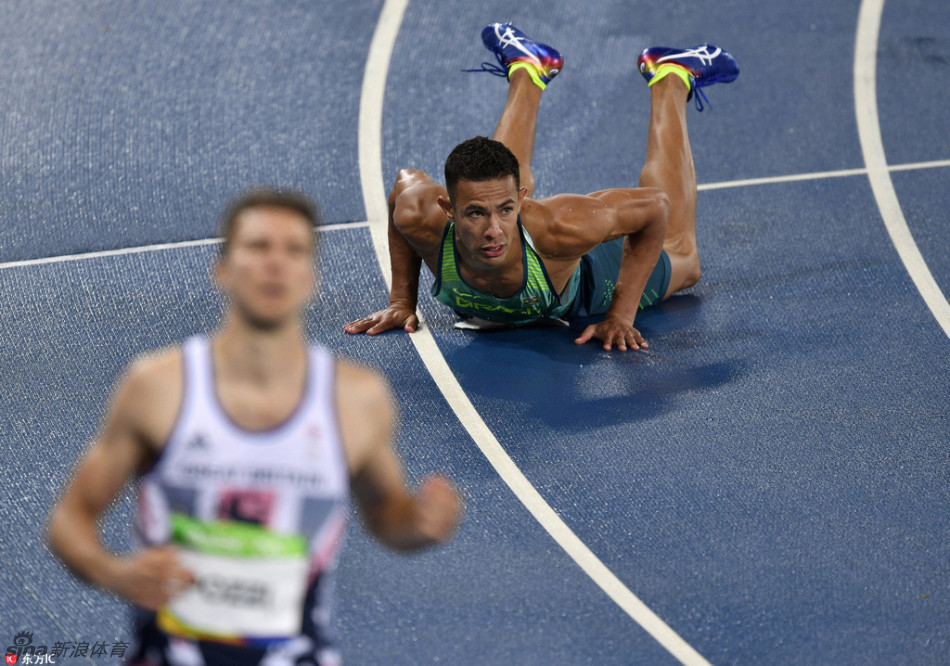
x: 599, y: 270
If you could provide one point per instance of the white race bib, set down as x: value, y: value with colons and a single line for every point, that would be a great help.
x: 250, y: 583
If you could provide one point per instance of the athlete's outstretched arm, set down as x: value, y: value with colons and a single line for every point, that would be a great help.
x: 401, y: 519
x: 641, y: 216
x: 148, y: 578
x: 404, y: 255
x: 571, y: 225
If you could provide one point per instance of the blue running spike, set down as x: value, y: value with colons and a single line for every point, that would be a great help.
x: 510, y: 45
x: 706, y: 65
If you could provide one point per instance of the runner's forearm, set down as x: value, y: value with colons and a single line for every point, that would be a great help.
x: 74, y: 539
x: 641, y: 251
x: 406, y: 264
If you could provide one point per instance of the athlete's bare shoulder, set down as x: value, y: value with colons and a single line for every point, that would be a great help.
x: 415, y: 210
x: 565, y: 226
x: 359, y: 381
x: 155, y: 370
x: 149, y: 395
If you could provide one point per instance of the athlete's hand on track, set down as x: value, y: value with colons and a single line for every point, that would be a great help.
x: 151, y: 577
x: 438, y: 508
x: 395, y: 316
x: 614, y: 331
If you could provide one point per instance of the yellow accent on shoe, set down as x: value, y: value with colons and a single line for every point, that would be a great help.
x: 532, y: 72
x: 665, y: 70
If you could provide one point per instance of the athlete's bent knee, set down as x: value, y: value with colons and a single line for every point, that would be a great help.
x: 686, y: 271
x: 693, y: 274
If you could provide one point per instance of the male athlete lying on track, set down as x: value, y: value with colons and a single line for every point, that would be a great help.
x: 499, y: 255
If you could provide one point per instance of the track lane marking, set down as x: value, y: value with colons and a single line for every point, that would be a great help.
x: 702, y: 187
x: 872, y: 147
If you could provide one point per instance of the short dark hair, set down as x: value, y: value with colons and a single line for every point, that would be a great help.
x: 479, y: 159
x: 266, y: 197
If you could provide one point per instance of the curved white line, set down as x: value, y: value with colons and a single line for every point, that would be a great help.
x: 872, y: 146
x: 370, y: 154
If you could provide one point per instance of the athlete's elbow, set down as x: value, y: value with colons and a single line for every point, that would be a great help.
x: 56, y: 532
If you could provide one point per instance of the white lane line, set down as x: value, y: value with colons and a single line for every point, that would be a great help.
x: 374, y: 172
x: 110, y: 253
x: 153, y: 248
x: 844, y: 173
x: 872, y: 146
x: 370, y: 152
x: 819, y: 175
x: 919, y: 165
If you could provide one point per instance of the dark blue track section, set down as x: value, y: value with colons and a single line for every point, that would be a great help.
x: 770, y: 478
x: 771, y: 453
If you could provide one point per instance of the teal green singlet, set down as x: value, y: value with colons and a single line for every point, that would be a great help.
x: 535, y: 300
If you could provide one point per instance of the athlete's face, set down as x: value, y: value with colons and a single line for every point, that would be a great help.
x: 486, y: 220
x: 268, y: 271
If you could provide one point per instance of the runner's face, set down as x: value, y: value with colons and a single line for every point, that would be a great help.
x: 269, y: 271
x: 486, y: 220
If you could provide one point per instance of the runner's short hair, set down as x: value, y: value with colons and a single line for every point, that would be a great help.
x: 266, y: 197
x: 479, y: 159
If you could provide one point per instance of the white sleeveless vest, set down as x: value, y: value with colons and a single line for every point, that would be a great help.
x: 258, y: 517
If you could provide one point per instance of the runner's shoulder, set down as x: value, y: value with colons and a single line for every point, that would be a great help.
x: 415, y: 193
x: 361, y: 384
x: 152, y: 377
x: 561, y: 226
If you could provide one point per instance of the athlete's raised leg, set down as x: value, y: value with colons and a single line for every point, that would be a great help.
x: 529, y: 66
x: 674, y: 76
x: 669, y: 167
x: 518, y: 122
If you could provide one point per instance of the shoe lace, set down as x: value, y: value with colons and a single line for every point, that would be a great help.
x: 699, y: 102
x: 491, y: 68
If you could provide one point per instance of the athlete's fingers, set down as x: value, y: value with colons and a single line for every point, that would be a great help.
x: 626, y: 338
x: 586, y: 335
x: 178, y: 583
x: 412, y: 323
x: 632, y: 340
x: 169, y: 565
x: 389, y: 321
x: 440, y: 507
x: 359, y: 325
x: 378, y: 327
x: 377, y: 323
x: 640, y: 339
x: 621, y: 341
x: 150, y: 578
